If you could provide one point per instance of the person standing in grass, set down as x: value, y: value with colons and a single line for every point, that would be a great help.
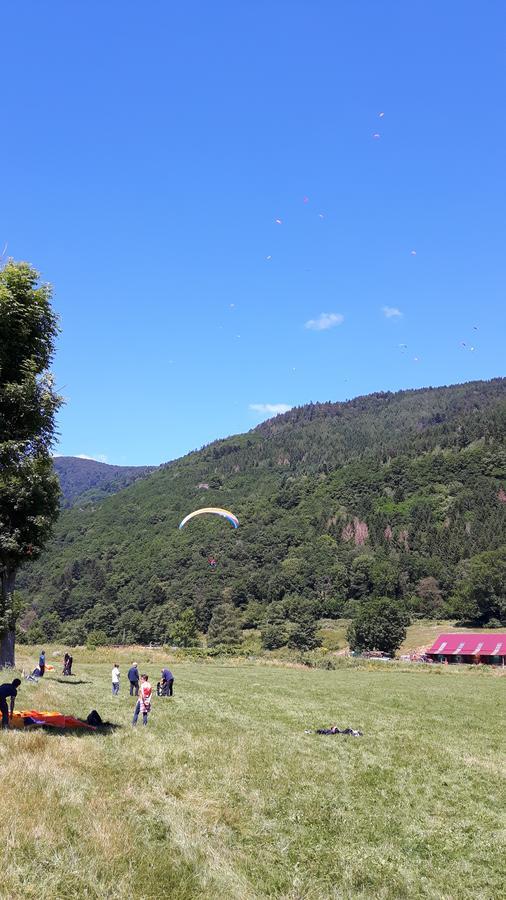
x: 133, y: 677
x: 9, y: 689
x: 42, y: 662
x: 144, y: 702
x: 115, y: 679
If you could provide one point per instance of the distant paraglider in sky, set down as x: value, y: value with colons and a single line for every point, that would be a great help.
x: 214, y: 511
x: 403, y: 348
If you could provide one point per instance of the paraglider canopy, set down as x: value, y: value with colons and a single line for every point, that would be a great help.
x: 215, y: 511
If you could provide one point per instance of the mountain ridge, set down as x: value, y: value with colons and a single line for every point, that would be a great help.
x: 90, y: 480
x: 337, y: 502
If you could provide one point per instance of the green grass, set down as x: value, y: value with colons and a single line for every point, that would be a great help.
x: 223, y: 795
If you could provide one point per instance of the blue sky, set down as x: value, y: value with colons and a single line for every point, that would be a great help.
x: 147, y: 151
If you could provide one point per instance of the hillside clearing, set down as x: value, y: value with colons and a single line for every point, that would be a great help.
x: 419, y: 635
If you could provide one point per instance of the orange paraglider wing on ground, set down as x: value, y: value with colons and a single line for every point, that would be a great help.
x: 29, y: 717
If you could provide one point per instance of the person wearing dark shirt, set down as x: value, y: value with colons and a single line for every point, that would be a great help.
x: 133, y: 677
x: 69, y: 664
x: 165, y: 687
x: 42, y: 663
x: 9, y: 689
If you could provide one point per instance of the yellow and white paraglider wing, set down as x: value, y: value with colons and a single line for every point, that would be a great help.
x: 212, y: 510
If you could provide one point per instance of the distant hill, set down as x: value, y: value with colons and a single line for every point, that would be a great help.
x: 396, y: 494
x: 91, y: 481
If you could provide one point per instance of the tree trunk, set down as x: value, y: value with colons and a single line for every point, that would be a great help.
x: 7, y: 637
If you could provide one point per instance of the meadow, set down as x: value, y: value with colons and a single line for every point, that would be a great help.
x: 224, y: 795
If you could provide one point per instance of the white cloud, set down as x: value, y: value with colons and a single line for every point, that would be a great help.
x: 391, y: 312
x: 100, y: 457
x: 324, y: 321
x: 271, y: 409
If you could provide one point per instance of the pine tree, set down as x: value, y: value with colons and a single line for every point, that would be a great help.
x: 224, y: 627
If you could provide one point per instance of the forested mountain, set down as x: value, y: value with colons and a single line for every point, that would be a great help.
x: 90, y: 481
x: 402, y: 495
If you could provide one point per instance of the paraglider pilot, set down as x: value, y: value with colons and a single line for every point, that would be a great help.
x: 9, y: 689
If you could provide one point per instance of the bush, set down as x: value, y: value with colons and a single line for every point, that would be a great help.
x: 303, y: 636
x: 253, y: 614
x: 50, y: 625
x: 379, y: 625
x: 35, y: 634
x: 73, y: 634
x: 273, y: 637
x: 97, y: 638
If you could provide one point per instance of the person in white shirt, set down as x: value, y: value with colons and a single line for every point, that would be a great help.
x: 115, y: 679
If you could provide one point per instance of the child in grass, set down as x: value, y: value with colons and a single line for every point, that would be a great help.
x: 144, y: 702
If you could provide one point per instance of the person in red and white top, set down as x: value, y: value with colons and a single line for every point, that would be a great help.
x: 144, y: 702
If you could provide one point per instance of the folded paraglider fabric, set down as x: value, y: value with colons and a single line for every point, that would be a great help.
x: 335, y: 730
x: 29, y: 717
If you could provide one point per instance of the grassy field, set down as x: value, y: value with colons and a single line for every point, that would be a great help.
x: 223, y: 795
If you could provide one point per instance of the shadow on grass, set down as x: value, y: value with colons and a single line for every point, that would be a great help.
x: 68, y: 681
x: 105, y: 728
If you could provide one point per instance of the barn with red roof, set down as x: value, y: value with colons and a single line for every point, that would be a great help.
x: 469, y: 647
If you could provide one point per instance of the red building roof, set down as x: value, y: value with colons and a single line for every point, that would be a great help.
x: 470, y: 644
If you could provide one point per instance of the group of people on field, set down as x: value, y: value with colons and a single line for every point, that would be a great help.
x: 141, y: 688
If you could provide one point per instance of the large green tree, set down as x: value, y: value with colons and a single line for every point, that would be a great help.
x: 380, y: 625
x: 29, y: 491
